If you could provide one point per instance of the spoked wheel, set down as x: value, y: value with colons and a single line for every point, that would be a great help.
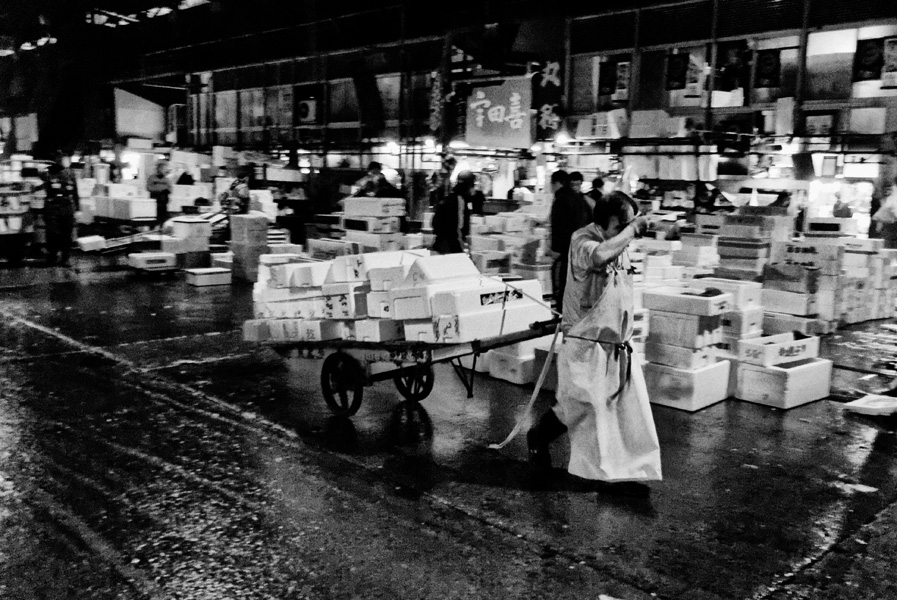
x: 415, y: 383
x: 342, y: 382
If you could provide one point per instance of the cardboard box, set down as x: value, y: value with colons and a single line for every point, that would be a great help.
x: 686, y: 300
x: 745, y: 294
x: 210, y: 276
x: 489, y: 322
x: 777, y: 349
x: 688, y: 390
x: 516, y: 369
x: 785, y: 386
x: 378, y: 330
x: 688, y: 331
x: 420, y: 330
x: 490, y: 292
x: 152, y: 261
x: 739, y: 323
x: 677, y: 356
x: 379, y: 305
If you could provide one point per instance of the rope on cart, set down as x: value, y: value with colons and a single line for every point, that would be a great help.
x: 524, y: 417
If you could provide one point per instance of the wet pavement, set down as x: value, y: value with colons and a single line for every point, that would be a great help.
x: 147, y: 452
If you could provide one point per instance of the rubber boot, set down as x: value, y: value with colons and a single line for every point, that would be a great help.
x: 548, y: 429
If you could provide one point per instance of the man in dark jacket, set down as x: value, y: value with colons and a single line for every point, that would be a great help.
x: 59, y: 210
x: 569, y: 212
x: 451, y: 219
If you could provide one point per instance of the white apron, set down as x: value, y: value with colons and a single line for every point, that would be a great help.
x: 601, y: 396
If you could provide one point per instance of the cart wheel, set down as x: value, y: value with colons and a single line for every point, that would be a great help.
x: 415, y: 383
x: 342, y: 381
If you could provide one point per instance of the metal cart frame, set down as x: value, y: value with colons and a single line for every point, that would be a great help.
x: 350, y: 366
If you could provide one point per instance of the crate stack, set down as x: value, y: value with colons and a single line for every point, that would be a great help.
x: 868, y: 274
x: 249, y: 240
x: 374, y: 223
x: 744, y: 247
x: 685, y: 325
x: 782, y: 371
x: 513, y: 242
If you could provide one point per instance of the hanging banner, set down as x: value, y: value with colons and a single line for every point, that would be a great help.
x: 435, y: 102
x: 769, y: 69
x: 498, y: 116
x: 868, y: 60
x: 621, y: 88
x: 547, y: 92
x: 677, y: 70
x: 889, y: 69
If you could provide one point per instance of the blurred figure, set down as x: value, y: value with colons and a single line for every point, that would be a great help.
x: 59, y: 210
x: 159, y: 187
x: 374, y: 184
x: 451, y: 218
x: 569, y: 212
x: 841, y: 210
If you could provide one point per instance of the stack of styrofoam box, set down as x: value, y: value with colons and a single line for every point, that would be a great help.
x: 249, y: 240
x: 192, y: 232
x: 376, y: 213
x: 698, y: 255
x: 288, y: 302
x: 685, y: 325
x: 329, y: 226
x: 889, y: 279
x: 743, y: 322
x: 321, y: 249
x: 358, y: 292
x: 808, y: 299
x: 517, y: 363
x: 864, y: 270
x: 782, y: 371
x: 708, y: 224
x: 444, y: 299
x: 653, y: 263
x: 744, y: 246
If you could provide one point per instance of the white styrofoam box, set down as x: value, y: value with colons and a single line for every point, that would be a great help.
x: 376, y: 242
x: 491, y: 263
x: 777, y: 349
x: 263, y: 293
x: 516, y: 369
x: 104, y: 207
x: 269, y: 260
x: 786, y: 386
x: 414, y: 241
x: 190, y: 226
x: 868, y: 120
x: 357, y: 266
x: 208, y: 276
x: 514, y: 222
x: 416, y: 302
x: 372, y: 224
x: 255, y: 331
x: 309, y: 308
x: 486, y: 243
x: 482, y: 364
x: 432, y: 269
x: 325, y: 249
x: 289, y: 249
x: 489, y: 322
x: 708, y: 224
x: 657, y: 261
x: 678, y: 356
x: 121, y: 190
x: 374, y: 207
x: 729, y: 248
x: 688, y: 331
x: 686, y: 389
x: 494, y: 223
x: 539, y: 272
x: 696, y: 256
x: 853, y: 244
x: 129, y: 209
x: 488, y: 292
x: 346, y: 306
x: 698, y: 240
x: 857, y: 260
x: 831, y: 226
x: 379, y: 305
x: 152, y: 260
x: 345, y: 287
x: 727, y: 349
x: 420, y: 330
x: 194, y: 244
x: 790, y: 302
x: 378, y: 330
x: 387, y: 278
x: 528, y: 347
x: 276, y: 330
x: 740, y: 322
x: 663, y: 247
x: 91, y: 243
x: 687, y: 300
x: 320, y: 330
x: 302, y: 274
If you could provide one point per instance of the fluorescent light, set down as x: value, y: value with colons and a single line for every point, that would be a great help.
x: 458, y: 144
x: 562, y: 138
x: 7, y: 51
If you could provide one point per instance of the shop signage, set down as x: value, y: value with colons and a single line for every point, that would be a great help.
x: 769, y: 69
x: 436, y: 100
x: 548, y: 90
x: 868, y: 60
x: 498, y: 116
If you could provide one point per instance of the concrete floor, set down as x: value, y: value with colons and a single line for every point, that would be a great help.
x: 147, y: 452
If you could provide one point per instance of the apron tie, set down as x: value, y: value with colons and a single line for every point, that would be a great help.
x: 622, y: 353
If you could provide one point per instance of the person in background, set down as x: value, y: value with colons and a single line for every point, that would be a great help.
x: 841, y: 210
x: 59, y: 210
x: 159, y: 187
x: 596, y: 193
x: 576, y: 181
x: 451, y: 218
x: 601, y: 398
x: 569, y: 212
x: 783, y: 199
x: 477, y: 200
x: 374, y: 184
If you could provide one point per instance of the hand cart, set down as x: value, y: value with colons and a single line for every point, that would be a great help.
x: 350, y: 366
